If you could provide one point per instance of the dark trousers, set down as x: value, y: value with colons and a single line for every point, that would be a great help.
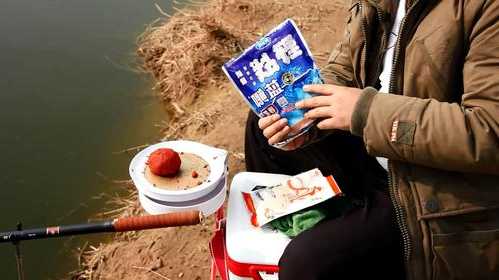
x: 362, y: 242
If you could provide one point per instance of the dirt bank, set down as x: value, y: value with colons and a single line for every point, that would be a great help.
x: 184, y: 53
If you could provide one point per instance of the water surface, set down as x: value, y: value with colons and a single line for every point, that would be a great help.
x: 68, y: 100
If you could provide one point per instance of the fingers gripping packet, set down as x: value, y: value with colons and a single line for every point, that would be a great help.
x: 306, y: 189
x: 270, y: 75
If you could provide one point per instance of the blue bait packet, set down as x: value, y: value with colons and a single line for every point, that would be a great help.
x: 271, y: 73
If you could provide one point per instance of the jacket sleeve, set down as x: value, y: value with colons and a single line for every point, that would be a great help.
x: 338, y: 69
x: 452, y: 136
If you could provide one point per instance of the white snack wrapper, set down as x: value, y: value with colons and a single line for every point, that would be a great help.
x: 294, y: 194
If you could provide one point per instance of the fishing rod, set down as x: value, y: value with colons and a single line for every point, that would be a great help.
x: 116, y: 225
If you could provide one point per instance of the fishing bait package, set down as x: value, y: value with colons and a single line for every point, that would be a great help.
x: 267, y: 203
x: 271, y: 73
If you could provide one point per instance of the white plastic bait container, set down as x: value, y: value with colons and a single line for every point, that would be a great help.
x: 240, y: 250
x: 207, y: 197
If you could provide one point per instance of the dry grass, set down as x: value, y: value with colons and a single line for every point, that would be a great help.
x: 188, y: 51
x: 196, y: 120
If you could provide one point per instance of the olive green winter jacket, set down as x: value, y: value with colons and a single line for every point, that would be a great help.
x: 438, y: 126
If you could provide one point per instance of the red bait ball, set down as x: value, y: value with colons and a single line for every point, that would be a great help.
x: 164, y: 162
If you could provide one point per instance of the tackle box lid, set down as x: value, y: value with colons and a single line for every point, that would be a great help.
x: 246, y: 243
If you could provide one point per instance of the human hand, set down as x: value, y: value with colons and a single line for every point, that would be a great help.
x: 275, y: 129
x: 334, y: 105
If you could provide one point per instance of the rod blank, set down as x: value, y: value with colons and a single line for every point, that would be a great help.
x: 117, y: 225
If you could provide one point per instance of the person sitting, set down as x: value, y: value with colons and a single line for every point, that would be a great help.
x: 416, y: 84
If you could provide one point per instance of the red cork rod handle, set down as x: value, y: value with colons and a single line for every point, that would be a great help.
x: 157, y: 221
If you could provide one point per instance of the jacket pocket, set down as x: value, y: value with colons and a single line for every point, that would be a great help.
x: 459, y: 218
x: 466, y: 255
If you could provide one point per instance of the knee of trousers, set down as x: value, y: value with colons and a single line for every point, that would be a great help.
x: 300, y: 261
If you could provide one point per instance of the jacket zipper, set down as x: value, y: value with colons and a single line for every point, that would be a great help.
x: 400, y: 214
x: 364, y: 33
x: 392, y: 186
x: 381, y: 17
x: 382, y: 46
x: 396, y: 54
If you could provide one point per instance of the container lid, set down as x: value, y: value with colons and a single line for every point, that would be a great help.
x: 216, y: 159
x: 207, y: 204
x: 245, y: 242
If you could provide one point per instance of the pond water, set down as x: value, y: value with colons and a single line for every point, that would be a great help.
x: 69, y: 99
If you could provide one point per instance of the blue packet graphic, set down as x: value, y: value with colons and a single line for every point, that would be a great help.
x: 271, y: 73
